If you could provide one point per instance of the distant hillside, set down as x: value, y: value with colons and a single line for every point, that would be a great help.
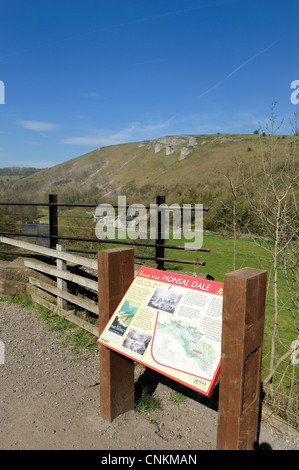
x: 17, y: 171
x: 13, y: 173
x: 175, y: 166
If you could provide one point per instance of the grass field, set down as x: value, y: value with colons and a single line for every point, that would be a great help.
x: 220, y: 260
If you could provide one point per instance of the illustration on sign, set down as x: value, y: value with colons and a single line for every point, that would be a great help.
x: 171, y: 323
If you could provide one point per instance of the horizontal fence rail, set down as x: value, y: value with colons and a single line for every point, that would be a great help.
x: 89, y: 263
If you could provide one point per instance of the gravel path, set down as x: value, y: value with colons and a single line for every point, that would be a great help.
x: 51, y: 401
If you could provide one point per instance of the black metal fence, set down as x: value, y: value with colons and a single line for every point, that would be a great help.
x: 156, y: 249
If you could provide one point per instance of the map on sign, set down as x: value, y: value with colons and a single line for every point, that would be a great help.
x: 171, y: 323
x: 183, y: 344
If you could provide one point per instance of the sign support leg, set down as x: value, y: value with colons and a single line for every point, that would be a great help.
x: 115, y: 274
x: 241, y: 356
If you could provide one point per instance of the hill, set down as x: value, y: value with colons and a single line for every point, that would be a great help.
x: 13, y: 173
x: 175, y: 166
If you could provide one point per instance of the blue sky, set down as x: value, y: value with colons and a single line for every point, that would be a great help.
x: 79, y: 75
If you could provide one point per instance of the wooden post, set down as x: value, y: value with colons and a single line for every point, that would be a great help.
x: 61, y: 283
x: 53, y: 221
x: 160, y: 233
x: 115, y: 274
x: 244, y: 296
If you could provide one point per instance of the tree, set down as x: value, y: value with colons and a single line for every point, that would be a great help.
x: 234, y: 187
x: 274, y: 201
x: 233, y: 211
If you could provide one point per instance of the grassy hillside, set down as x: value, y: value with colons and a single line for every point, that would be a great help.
x: 170, y: 166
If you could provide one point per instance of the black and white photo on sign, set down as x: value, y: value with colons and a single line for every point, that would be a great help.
x: 137, y: 341
x: 164, y: 300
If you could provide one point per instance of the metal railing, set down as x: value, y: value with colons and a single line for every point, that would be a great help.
x: 158, y: 248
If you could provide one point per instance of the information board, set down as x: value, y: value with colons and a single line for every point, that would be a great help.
x: 171, y: 323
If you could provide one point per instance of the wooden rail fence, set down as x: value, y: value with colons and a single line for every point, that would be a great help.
x: 63, y: 276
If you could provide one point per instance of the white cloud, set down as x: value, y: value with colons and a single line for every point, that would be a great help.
x: 102, y: 138
x: 155, y: 127
x: 91, y: 141
x: 207, y: 123
x: 37, y: 125
x: 94, y: 95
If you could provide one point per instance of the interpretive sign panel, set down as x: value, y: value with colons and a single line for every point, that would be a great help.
x: 171, y: 323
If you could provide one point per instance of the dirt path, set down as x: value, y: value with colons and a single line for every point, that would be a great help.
x: 49, y: 401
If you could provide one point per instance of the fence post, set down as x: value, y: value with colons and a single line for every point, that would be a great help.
x: 61, y: 283
x: 115, y: 274
x: 160, y: 234
x: 244, y: 296
x: 53, y: 221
